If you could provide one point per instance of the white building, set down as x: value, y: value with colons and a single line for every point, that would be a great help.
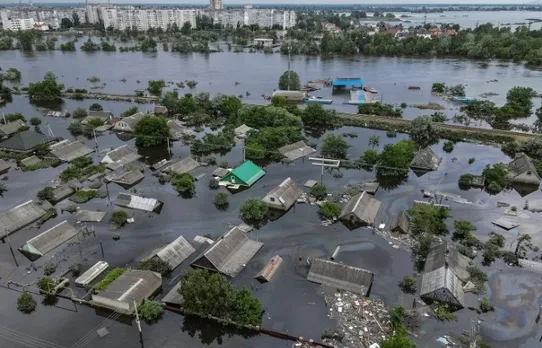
x: 19, y: 24
x: 216, y: 5
x: 128, y: 17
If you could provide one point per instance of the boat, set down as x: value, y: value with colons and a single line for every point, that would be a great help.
x: 415, y: 88
x: 464, y: 100
x: 317, y: 100
x: 370, y: 89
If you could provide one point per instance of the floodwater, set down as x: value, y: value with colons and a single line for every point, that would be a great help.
x: 292, y: 304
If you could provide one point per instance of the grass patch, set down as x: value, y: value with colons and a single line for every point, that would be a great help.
x: 45, y: 163
x: 109, y: 278
x: 83, y: 196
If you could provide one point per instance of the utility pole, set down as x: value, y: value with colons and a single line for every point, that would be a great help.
x: 139, y: 325
x: 95, y: 140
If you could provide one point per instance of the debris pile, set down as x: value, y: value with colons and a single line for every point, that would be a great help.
x: 360, y: 322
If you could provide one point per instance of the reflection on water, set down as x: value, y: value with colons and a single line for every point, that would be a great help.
x: 209, y: 330
x: 516, y: 298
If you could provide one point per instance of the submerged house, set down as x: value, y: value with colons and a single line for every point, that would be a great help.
x: 25, y: 142
x: 242, y: 131
x: 445, y: 269
x: 127, y: 124
x: 400, y: 223
x: 138, y: 203
x: 296, y: 150
x: 9, y: 128
x: 426, y: 160
x: 48, y: 240
x: 176, y: 252
x: 97, y: 115
x: 244, y: 175
x: 68, y: 150
x: 523, y: 171
x: 119, y: 157
x: 362, y: 209
x: 342, y: 277
x: 284, y: 195
x: 180, y: 166
x: 20, y: 216
x: 229, y: 253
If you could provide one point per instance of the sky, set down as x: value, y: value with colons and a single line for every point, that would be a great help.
x: 290, y: 2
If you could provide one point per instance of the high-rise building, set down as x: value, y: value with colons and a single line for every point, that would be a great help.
x: 216, y: 5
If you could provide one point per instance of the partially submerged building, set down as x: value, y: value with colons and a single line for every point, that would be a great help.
x: 138, y: 203
x: 48, y: 240
x: 89, y: 216
x: 20, y: 216
x: 128, y: 124
x: 91, y: 274
x: 177, y: 129
x: 283, y: 196
x: 9, y: 128
x: 97, y: 115
x: 131, y: 288
x: 296, y: 150
x: 443, y: 255
x: 180, y: 166
x: 126, y: 179
x: 242, y: 131
x: 67, y: 150
x: 291, y: 96
x: 25, y: 142
x: 176, y: 252
x: 339, y: 276
x: 160, y: 110
x: 5, y: 166
x: 270, y: 269
x: 120, y: 157
x: 362, y: 209
x: 425, y: 160
x: 229, y: 253
x: 30, y: 161
x: 523, y: 171
x: 244, y: 175
x: 61, y: 192
x: 400, y: 223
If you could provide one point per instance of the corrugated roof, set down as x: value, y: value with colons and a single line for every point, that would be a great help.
x: 177, y: 129
x: 296, y: 150
x: 340, y: 276
x: 92, y: 273
x: 48, y: 240
x: 434, y: 282
x: 129, y: 178
x: 20, y: 216
x: 242, y: 130
x: 25, y: 141
x: 287, y: 192
x: 221, y: 172
x: 138, y: 203
x: 400, y: 222
x: 363, y: 206
x: 230, y: 253
x: 523, y: 165
x: 436, y: 258
x: 29, y: 161
x: 132, y: 285
x: 176, y: 252
x: 426, y: 159
x: 122, y: 155
x: 173, y: 297
x: 443, y: 255
x: 505, y: 223
x: 11, y: 127
x: 61, y: 192
x: 131, y: 121
x: 270, y: 269
x: 68, y: 150
x: 181, y: 166
x: 89, y: 216
x: 248, y: 172
x: 4, y: 165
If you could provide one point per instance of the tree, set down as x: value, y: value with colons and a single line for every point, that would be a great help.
x: 75, y: 17
x: 397, y: 317
x: 314, y: 115
x: 151, y: 311
x: 49, y: 269
x: 254, y: 210
x: 424, y: 132
x: 96, y: 107
x: 47, y: 194
x: 151, y: 131
x: 279, y: 101
x: 448, y: 146
x: 334, y: 147
x: 35, y: 121
x: 118, y: 218
x: 520, y: 246
x: 186, y: 29
x: 155, y: 86
x: 408, y: 285
x: 157, y: 265
x: 319, y: 191
x: 329, y: 210
x: 80, y: 113
x: 289, y: 81
x: 5, y: 94
x: 369, y: 159
x: 496, y: 178
x: 221, y: 201
x: 429, y: 219
x: 46, y: 285
x: 462, y: 230
x: 66, y: 23
x: 398, y: 340
x: 395, y: 159
x: 12, y: 75
x: 184, y: 184
x: 26, y: 303
x: 131, y: 111
x: 374, y: 140
x: 46, y: 90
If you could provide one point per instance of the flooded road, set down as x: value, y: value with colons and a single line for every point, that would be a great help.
x: 292, y: 303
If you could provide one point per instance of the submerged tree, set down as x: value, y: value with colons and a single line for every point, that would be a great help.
x: 289, y: 81
x: 423, y: 131
x: 151, y: 131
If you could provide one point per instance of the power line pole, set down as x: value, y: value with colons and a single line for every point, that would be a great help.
x: 139, y: 325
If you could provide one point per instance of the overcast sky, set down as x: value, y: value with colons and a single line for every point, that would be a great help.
x: 257, y: 2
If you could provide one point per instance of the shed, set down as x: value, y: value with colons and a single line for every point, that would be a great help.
x: 242, y: 131
x: 291, y: 96
x: 444, y: 286
x: 400, y: 223
x: 30, y: 161
x: 270, y: 269
x: 5, y: 166
x: 296, y: 150
x: 91, y: 274
x: 180, y: 166
x: 339, y: 82
x: 443, y: 255
x: 283, y: 196
x: 25, y: 141
x: 160, y: 110
x: 120, y: 156
x: 89, y: 216
x: 127, y: 124
x: 369, y: 186
x: 176, y: 252
x: 505, y: 223
x: 20, y: 216
x: 132, y: 286
x: 173, y: 297
x: 61, y: 192
x: 220, y: 172
x: 48, y: 240
x: 425, y: 160
x: 244, y: 175
x: 177, y: 129
x: 97, y: 115
x: 138, y: 203
x: 129, y: 179
x: 10, y: 128
x: 361, y: 209
x: 339, y: 276
x: 68, y: 150
x: 523, y: 171
x: 229, y: 253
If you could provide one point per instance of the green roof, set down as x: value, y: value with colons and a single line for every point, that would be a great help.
x: 246, y: 174
x: 25, y: 141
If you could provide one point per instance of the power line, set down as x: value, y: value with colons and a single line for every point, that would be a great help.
x: 26, y: 340
x: 83, y: 341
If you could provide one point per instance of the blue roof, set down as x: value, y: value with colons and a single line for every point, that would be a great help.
x: 347, y: 81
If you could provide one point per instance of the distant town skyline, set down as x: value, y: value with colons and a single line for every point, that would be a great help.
x: 289, y: 2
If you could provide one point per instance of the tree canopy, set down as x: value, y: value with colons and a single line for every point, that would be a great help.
x: 289, y: 80
x: 151, y: 130
x: 424, y: 132
x: 47, y: 89
x: 334, y: 147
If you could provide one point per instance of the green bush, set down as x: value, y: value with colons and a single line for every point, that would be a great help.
x: 184, y: 184
x: 485, y: 305
x: 118, y: 218
x: 72, y: 208
x: 35, y: 121
x: 49, y: 269
x: 109, y: 278
x: 47, y: 194
x: 329, y: 210
x: 156, y: 264
x: 26, y: 303
x: 254, y: 209
x: 408, y: 285
x: 443, y: 313
x: 46, y: 285
x: 151, y: 311
x: 221, y: 201
x: 471, y: 160
x: 76, y: 269
x: 448, y: 146
x: 213, y: 184
x: 319, y: 191
x: 83, y: 196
